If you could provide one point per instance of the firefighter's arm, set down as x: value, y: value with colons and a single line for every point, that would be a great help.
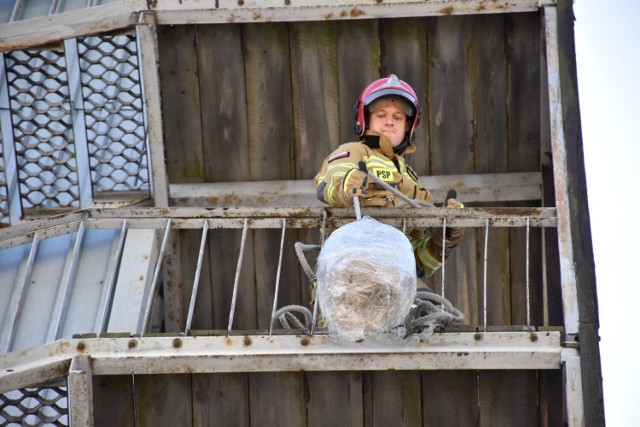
x: 428, y: 250
x: 340, y: 179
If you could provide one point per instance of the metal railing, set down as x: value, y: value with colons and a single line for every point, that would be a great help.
x: 121, y: 221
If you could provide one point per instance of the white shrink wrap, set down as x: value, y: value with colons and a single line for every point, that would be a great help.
x: 366, y: 279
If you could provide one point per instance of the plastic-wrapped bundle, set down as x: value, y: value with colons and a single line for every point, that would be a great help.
x: 366, y: 279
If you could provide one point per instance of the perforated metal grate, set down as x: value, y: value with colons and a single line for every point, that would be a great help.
x: 40, y: 111
x: 114, y: 117
x: 35, y: 406
x: 74, y: 119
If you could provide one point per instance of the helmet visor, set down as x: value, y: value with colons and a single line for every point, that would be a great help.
x: 391, y: 100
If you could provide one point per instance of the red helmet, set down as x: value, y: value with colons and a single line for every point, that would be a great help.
x: 390, y: 85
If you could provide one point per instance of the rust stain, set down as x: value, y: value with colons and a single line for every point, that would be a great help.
x: 305, y: 341
x: 257, y: 16
x: 228, y: 341
x: 176, y: 343
x: 60, y: 349
x: 480, y: 7
x: 447, y: 10
x: 132, y: 344
x: 477, y: 337
x: 80, y: 348
x: 141, y: 278
x: 328, y: 16
x: 514, y: 211
x: 355, y: 12
x: 533, y: 337
x: 247, y: 341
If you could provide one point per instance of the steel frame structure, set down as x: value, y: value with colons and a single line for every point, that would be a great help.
x: 80, y: 359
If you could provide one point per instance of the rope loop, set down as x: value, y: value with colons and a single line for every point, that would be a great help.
x: 287, y: 317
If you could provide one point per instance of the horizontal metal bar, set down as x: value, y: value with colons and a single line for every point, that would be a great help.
x: 271, y: 218
x: 10, y: 237
x: 69, y: 220
x: 269, y: 353
x: 268, y: 223
x: 537, y: 215
x: 76, y: 23
x: 203, y: 11
x: 115, y: 16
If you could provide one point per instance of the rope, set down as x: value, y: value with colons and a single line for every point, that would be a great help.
x: 439, y: 311
x: 300, y: 248
x: 287, y: 317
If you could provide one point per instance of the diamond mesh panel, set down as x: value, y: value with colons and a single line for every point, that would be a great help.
x: 35, y: 406
x: 40, y: 110
x: 114, y: 113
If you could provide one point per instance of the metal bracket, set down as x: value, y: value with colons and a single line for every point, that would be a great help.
x: 147, y: 17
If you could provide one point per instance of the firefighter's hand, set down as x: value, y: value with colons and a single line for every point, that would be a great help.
x: 450, y: 201
x: 453, y: 203
x: 454, y: 235
x: 355, y: 183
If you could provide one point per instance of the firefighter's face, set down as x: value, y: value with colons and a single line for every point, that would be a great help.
x: 390, y: 121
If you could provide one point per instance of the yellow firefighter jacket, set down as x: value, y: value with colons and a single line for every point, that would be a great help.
x: 377, y: 152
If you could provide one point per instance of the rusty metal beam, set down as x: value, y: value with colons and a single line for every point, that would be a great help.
x: 80, y: 383
x: 146, y: 33
x: 572, y: 373
x: 560, y: 177
x: 115, y: 16
x: 283, y: 353
x: 77, y: 23
x: 263, y: 218
x: 225, y: 11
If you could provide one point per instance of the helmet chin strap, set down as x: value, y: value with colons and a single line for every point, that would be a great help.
x: 402, y: 146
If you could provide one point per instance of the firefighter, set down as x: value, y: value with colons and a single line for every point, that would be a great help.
x: 387, y: 114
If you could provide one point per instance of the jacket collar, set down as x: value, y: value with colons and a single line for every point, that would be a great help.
x: 376, y: 140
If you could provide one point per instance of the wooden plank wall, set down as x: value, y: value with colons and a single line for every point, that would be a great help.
x: 269, y: 101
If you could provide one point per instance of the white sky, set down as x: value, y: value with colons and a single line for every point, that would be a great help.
x: 608, y: 55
